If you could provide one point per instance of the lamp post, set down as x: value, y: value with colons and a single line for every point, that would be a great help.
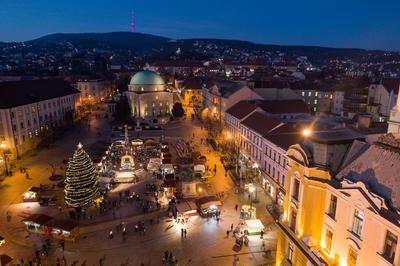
x: 252, y: 189
x: 3, y: 146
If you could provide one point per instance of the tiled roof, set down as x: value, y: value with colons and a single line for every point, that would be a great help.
x: 194, y: 83
x: 241, y: 109
x: 286, y: 135
x: 284, y: 106
x: 260, y: 123
x: 378, y: 167
x: 17, y: 93
x: 391, y: 84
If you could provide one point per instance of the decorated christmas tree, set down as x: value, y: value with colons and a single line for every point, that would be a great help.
x: 81, y: 180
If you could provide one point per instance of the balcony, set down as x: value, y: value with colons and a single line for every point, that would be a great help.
x: 310, y: 250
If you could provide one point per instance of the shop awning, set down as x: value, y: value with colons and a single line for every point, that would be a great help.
x: 41, y: 219
x: 66, y: 225
x: 208, y: 201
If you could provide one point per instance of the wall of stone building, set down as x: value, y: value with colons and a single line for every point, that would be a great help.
x: 150, y: 104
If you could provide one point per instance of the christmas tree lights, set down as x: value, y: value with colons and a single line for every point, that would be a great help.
x: 81, y: 182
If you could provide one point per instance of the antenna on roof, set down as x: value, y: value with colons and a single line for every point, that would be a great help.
x: 132, y: 22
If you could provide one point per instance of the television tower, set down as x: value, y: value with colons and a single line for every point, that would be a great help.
x: 132, y: 23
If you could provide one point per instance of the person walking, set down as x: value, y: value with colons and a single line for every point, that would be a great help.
x: 227, y: 233
x: 182, y: 232
x: 185, y: 233
x: 231, y: 227
x: 236, y: 207
x: 262, y: 234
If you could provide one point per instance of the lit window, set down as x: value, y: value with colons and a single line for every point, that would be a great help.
x: 290, y: 252
x: 352, y: 257
x: 316, y: 94
x: 302, y: 93
x: 296, y: 190
x: 358, y: 222
x: 309, y: 93
x: 332, y: 206
x: 389, y: 250
x: 328, y: 240
x: 315, y: 101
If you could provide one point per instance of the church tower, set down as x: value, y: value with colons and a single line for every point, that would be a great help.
x: 394, y: 120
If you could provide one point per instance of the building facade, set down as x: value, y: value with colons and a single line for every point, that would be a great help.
x: 94, y: 91
x: 341, y: 214
x: 148, y: 96
x: 31, y: 110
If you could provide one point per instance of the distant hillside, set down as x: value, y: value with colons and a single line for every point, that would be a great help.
x: 119, y: 39
x: 142, y: 41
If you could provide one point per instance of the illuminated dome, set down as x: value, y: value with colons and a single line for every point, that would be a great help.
x: 147, y: 78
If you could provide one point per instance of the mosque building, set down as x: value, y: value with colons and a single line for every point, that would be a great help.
x: 148, y: 96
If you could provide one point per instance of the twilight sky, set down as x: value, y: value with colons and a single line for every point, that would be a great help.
x: 371, y: 24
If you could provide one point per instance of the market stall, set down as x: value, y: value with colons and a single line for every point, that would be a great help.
x: 47, y: 225
x: 124, y: 177
x: 32, y: 195
x: 253, y: 227
x: 248, y: 212
x: 208, y: 204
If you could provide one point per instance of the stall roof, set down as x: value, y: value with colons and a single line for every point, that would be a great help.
x: 34, y: 189
x: 254, y: 224
x: 208, y: 199
x: 66, y: 225
x: 39, y: 218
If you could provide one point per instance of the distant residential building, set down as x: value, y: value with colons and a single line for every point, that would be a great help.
x: 148, y: 96
x: 94, y: 91
x: 394, y: 120
x: 173, y: 67
x: 382, y: 98
x: 192, y: 91
x: 220, y: 95
x: 30, y: 110
x: 355, y: 97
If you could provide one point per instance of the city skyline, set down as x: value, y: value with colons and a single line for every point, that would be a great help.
x: 357, y: 24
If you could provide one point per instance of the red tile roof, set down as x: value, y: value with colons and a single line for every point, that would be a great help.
x: 260, y: 123
x: 241, y: 109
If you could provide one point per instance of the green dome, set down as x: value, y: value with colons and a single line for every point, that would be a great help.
x: 146, y: 78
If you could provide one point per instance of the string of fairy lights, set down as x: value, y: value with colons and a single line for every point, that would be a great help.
x: 81, y: 182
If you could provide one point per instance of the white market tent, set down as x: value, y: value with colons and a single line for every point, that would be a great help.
x: 253, y: 227
x: 200, y: 168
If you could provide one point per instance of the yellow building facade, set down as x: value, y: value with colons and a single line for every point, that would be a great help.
x: 349, y: 219
x: 304, y: 207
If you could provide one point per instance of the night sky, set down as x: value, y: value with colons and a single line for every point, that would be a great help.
x: 368, y: 24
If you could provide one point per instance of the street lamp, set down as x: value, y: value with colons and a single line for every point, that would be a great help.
x: 306, y: 132
x: 3, y: 146
x: 252, y: 189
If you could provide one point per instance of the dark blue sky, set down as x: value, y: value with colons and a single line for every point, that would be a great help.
x: 335, y: 23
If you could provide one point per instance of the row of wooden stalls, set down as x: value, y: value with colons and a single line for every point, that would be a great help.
x: 65, y: 229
